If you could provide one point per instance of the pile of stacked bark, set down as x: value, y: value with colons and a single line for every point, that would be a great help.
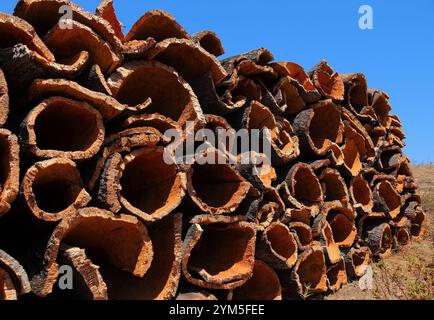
x: 84, y: 183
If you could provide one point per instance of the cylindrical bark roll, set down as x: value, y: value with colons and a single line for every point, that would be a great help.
x: 44, y: 14
x: 161, y: 280
x: 210, y: 42
x: 341, y: 220
x: 361, y: 194
x: 353, y: 150
x: 379, y: 101
x: 144, y: 184
x: 356, y: 92
x: 277, y: 246
x: 216, y: 188
x: 9, y: 169
x: 108, y: 106
x: 334, y: 186
x: 328, y: 82
x: 121, y: 241
x: 337, y: 276
x: 219, y: 252
x: 22, y: 66
x: 15, y: 30
x: 321, y: 229
x: 67, y: 42
x: 308, y: 275
x: 379, y: 237
x: 263, y: 285
x: 318, y: 128
x: 61, y: 127
x: 53, y: 189
x: 387, y: 199
x: 157, y: 24
x: 299, y: 79
x: 4, y: 99
x: 106, y: 11
x: 138, y: 80
x: 357, y: 261
x: 401, y: 237
x: 304, y: 186
x: 188, y: 59
x: 302, y: 233
x: 418, y: 225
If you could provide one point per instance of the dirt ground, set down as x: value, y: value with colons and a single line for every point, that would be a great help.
x: 409, y: 274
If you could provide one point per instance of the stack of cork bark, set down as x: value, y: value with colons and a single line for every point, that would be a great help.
x: 85, y: 185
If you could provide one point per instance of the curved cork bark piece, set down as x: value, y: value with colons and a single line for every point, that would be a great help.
x: 210, y: 42
x: 322, y: 230
x: 107, y: 11
x: 216, y: 188
x: 357, y: 261
x: 299, y: 79
x: 137, y: 49
x: 218, y: 252
x: 379, y: 101
x: 361, y: 194
x: 136, y: 81
x: 353, y: 150
x: 387, y: 199
x: 15, y: 30
x: 328, y: 82
x: 309, y: 273
x: 161, y: 280
x: 188, y: 59
x: 379, y: 237
x: 418, y: 225
x: 143, y: 183
x: 61, y: 127
x: 53, y: 189
x: 7, y: 287
x: 334, y: 186
x: 4, y: 99
x: 302, y: 233
x: 401, y: 237
x: 157, y: 24
x: 342, y: 224
x: 16, y: 273
x: 108, y: 107
x: 45, y: 14
x: 67, y: 42
x: 88, y: 279
x: 121, y: 241
x: 304, y: 186
x: 318, y: 127
x: 263, y: 285
x: 22, y: 65
x: 286, y: 97
x: 259, y: 56
x: 9, y: 170
x: 356, y: 92
x: 337, y: 275
x: 277, y: 246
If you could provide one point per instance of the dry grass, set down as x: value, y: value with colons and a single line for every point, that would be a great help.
x: 409, y: 274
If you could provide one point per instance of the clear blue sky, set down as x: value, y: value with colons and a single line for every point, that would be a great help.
x: 397, y: 56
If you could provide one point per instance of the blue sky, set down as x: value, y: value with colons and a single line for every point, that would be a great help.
x: 397, y: 56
